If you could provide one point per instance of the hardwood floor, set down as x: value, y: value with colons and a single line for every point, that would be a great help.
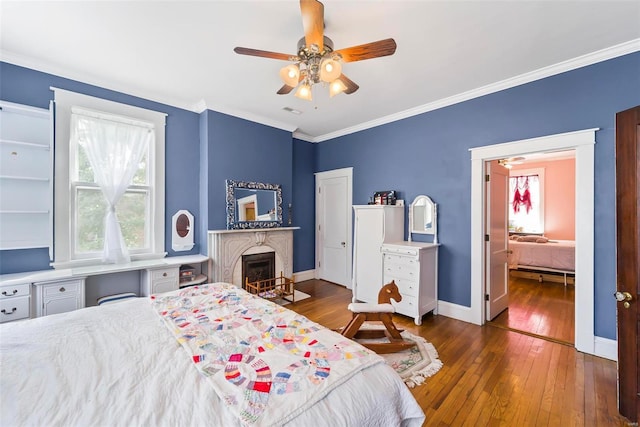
x: 492, y: 376
x: 545, y: 309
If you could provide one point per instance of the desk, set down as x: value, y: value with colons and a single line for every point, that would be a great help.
x: 57, y: 291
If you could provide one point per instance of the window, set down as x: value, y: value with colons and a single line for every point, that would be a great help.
x: 526, y: 201
x: 84, y: 168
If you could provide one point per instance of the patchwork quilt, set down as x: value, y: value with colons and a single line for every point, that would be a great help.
x: 267, y: 363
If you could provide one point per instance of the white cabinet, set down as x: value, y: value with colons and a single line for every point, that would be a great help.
x: 26, y: 177
x: 155, y: 281
x: 58, y: 296
x: 374, y: 225
x: 414, y: 268
x: 14, y: 302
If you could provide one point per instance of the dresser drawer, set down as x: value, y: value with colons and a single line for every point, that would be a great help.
x: 400, y: 251
x: 14, y: 308
x: 61, y: 288
x: 404, y: 270
x: 164, y: 273
x: 405, y: 286
x: 10, y: 291
x: 401, y: 259
x: 408, y: 306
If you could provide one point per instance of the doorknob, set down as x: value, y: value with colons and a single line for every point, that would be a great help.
x: 343, y: 244
x: 624, y: 297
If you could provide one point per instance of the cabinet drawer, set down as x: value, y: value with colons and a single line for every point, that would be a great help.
x: 14, y: 309
x: 408, y: 306
x: 165, y: 273
x: 401, y: 259
x: 406, y: 271
x: 61, y: 288
x: 400, y: 251
x: 405, y: 286
x: 14, y: 290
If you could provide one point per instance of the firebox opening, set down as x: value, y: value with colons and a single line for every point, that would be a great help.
x: 258, y: 267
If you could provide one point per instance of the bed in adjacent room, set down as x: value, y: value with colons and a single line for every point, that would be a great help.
x: 542, y: 254
x: 207, y: 355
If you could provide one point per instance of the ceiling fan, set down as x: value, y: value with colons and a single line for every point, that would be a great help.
x: 507, y: 163
x: 316, y: 61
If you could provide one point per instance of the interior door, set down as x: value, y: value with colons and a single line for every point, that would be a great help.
x: 497, y: 246
x: 333, y: 231
x: 628, y: 259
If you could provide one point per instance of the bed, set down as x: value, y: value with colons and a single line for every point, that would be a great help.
x: 557, y: 256
x: 206, y: 355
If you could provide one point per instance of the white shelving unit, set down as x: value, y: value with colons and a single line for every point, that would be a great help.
x: 26, y: 177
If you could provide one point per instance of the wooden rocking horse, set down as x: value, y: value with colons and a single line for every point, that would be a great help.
x: 381, y: 312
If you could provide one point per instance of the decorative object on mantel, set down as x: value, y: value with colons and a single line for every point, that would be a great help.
x: 182, y: 231
x: 253, y: 205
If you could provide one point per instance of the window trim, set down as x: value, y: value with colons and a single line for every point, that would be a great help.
x: 63, y: 210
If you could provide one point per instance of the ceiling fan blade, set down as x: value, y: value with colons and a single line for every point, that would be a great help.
x: 313, y: 22
x: 264, y: 54
x: 285, y: 89
x: 350, y: 84
x: 377, y: 49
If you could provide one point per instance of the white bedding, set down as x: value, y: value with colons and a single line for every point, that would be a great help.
x: 555, y: 254
x: 119, y: 365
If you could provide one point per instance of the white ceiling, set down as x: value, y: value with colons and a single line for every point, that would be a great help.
x: 181, y: 52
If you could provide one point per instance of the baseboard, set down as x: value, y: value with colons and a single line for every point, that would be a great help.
x: 455, y: 311
x: 300, y: 276
x: 605, y: 347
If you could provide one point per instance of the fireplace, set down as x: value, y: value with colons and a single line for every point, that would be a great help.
x: 258, y: 266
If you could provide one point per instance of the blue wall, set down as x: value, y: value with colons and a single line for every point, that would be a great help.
x: 24, y: 86
x: 429, y: 154
x: 425, y: 154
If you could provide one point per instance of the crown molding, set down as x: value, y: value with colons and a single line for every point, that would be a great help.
x: 561, y: 67
x: 202, y: 106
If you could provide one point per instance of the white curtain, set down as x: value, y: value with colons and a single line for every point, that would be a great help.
x: 114, y: 146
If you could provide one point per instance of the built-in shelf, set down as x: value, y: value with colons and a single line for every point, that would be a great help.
x: 25, y: 144
x: 25, y: 178
x: 25, y: 212
x: 199, y: 279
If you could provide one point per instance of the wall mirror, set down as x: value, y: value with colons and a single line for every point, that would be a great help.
x: 423, y: 217
x: 253, y: 205
x: 182, y: 231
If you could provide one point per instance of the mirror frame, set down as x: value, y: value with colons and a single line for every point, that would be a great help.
x: 232, y: 223
x: 434, y: 214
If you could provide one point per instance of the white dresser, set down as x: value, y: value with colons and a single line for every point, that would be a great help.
x: 14, y: 302
x: 374, y: 225
x: 58, y: 296
x: 414, y: 268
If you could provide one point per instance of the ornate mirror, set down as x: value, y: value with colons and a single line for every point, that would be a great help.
x: 423, y: 217
x: 253, y: 205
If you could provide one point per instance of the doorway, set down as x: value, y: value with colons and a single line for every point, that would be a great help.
x: 333, y: 226
x: 583, y: 143
x: 540, y: 208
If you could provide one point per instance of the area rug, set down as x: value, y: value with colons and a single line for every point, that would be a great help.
x: 416, y: 364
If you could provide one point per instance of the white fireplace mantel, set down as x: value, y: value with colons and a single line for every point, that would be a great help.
x: 226, y: 247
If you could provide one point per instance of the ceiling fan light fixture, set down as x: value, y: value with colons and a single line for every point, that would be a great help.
x: 290, y: 75
x: 336, y: 87
x: 330, y: 70
x: 304, y: 92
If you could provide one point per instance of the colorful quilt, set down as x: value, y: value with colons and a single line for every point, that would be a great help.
x: 265, y: 362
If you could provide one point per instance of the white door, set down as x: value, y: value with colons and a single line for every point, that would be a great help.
x: 497, y: 271
x: 333, y: 226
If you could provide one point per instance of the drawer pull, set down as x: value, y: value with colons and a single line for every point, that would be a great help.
x: 13, y: 310
x: 62, y: 289
x: 164, y: 274
x: 15, y: 291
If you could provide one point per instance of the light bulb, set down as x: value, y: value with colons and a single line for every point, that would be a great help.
x: 336, y: 87
x: 290, y: 75
x: 330, y: 70
x: 304, y: 92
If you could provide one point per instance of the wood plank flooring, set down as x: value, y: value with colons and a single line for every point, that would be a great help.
x: 492, y: 376
x: 545, y: 309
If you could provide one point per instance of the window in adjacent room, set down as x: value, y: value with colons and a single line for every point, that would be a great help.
x: 109, y: 175
x: 526, y: 201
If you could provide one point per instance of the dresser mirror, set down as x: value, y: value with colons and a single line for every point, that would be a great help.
x: 253, y: 205
x: 423, y: 217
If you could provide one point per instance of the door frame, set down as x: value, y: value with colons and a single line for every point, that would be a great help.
x: 335, y: 173
x: 583, y: 143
